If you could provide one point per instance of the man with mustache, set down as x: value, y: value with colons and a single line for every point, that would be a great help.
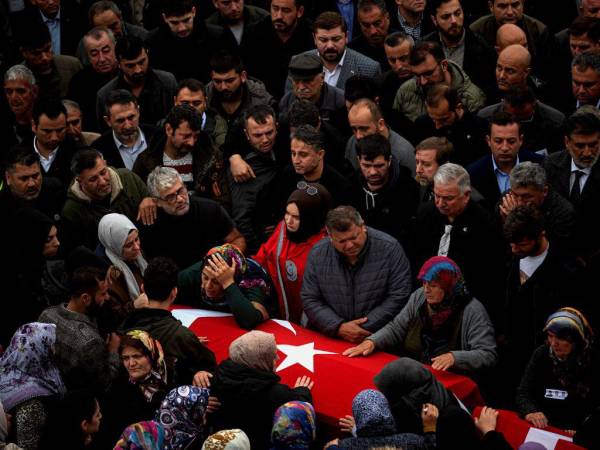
x: 21, y: 92
x: 374, y: 21
x: 185, y: 147
x: 25, y: 186
x: 308, y: 83
x: 585, y: 73
x: 339, y: 63
x: 575, y: 175
x: 126, y: 139
x: 153, y: 89
x: 460, y: 44
x: 99, y: 44
x: 272, y: 42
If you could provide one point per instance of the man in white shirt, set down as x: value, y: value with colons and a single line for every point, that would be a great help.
x: 126, y: 138
x: 330, y: 34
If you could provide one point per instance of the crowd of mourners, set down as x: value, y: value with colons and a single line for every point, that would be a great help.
x: 416, y: 177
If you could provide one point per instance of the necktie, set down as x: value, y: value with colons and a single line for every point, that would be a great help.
x: 445, y: 241
x: 575, y: 195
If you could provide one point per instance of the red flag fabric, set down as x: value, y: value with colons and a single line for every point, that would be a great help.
x: 516, y: 431
x: 304, y: 352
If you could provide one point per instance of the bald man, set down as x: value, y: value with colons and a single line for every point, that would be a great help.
x: 541, y: 43
x: 509, y: 34
x: 513, y: 68
x: 590, y: 8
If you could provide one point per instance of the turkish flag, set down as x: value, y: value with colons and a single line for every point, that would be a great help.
x: 304, y: 352
x: 516, y: 431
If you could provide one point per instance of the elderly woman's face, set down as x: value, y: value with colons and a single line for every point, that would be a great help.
x: 433, y: 292
x: 137, y: 364
x: 560, y: 347
x: 132, y: 248
x: 211, y: 287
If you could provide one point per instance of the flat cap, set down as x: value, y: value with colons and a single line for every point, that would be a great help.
x: 305, y: 66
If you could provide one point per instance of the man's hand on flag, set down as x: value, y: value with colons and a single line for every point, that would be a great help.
x: 352, y: 331
x: 363, y: 349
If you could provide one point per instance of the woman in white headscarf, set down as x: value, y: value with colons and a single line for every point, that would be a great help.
x: 121, y: 246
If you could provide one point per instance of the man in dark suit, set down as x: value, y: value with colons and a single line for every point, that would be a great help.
x: 457, y: 227
x: 61, y: 19
x: 467, y: 49
x: 339, y: 63
x: 122, y: 143
x: 490, y: 174
x: 575, y: 175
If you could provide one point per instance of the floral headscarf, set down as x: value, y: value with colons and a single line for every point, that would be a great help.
x: 245, y: 277
x: 157, y: 379
x: 27, y: 368
x: 227, y: 440
x: 447, y: 274
x: 182, y: 416
x: 294, y: 426
x: 147, y: 435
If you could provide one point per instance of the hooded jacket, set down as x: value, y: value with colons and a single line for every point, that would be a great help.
x: 391, y: 208
x: 81, y: 214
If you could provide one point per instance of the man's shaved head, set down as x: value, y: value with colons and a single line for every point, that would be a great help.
x: 590, y: 8
x: 513, y: 67
x: 510, y: 34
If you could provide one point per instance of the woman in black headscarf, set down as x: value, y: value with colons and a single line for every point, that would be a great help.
x: 408, y: 386
x: 284, y: 255
x: 32, y: 241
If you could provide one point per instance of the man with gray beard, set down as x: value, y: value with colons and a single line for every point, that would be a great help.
x: 575, y: 175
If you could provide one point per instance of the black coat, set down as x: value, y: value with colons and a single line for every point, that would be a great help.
x: 558, y: 172
x: 249, y: 398
x: 82, y: 89
x: 392, y: 208
x: 558, y: 282
x: 583, y: 390
x: 476, y: 245
x: 267, y: 58
x: 483, y: 177
x: 467, y: 135
x: 188, y: 57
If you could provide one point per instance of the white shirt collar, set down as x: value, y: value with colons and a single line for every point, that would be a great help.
x: 586, y: 170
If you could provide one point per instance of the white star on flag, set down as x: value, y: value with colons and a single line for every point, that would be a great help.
x: 300, y: 354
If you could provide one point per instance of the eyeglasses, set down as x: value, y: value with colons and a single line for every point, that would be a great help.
x: 172, y: 198
x: 309, y: 189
